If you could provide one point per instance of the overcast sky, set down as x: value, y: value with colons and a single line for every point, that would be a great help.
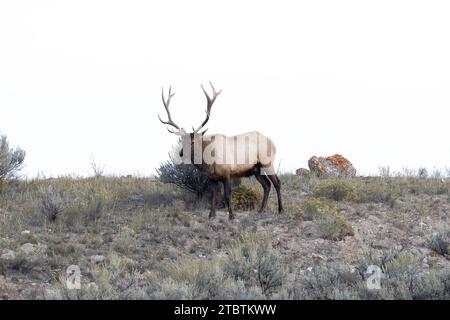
x: 367, y: 79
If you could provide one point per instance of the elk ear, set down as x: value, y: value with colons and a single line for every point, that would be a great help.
x: 203, y: 132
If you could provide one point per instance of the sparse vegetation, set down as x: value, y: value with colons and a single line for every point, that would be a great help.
x: 402, y: 277
x: 336, y: 189
x: 140, y: 238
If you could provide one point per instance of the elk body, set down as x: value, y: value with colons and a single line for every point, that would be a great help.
x: 223, y: 158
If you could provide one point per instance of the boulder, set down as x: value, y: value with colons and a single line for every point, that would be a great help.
x: 335, y: 165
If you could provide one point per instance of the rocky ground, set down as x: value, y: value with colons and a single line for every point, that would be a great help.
x: 135, y: 238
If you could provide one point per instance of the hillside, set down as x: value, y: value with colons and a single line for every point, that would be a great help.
x: 137, y: 238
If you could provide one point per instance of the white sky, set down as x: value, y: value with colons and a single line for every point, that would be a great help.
x: 367, y: 79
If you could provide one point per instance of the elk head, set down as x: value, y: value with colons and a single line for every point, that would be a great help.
x: 195, y: 136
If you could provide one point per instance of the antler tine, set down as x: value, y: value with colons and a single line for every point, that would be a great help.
x: 214, y: 90
x: 210, y: 102
x: 166, y: 103
x: 178, y: 133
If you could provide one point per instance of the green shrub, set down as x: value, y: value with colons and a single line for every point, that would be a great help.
x: 296, y: 211
x: 402, y: 277
x: 159, y: 198
x: 94, y: 207
x: 198, y: 279
x: 440, y: 241
x: 253, y: 260
x: 23, y: 262
x: 336, y: 189
x: 244, y: 198
x: 332, y: 225
x: 328, y: 281
x: 311, y: 208
x: 232, y: 289
x: 376, y: 189
x: 11, y: 161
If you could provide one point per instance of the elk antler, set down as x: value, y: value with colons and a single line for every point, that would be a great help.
x: 166, y: 106
x: 209, y: 104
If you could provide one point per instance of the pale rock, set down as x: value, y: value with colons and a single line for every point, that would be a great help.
x: 28, y: 248
x: 8, y: 255
x: 97, y: 258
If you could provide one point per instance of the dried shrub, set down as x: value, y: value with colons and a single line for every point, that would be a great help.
x: 185, y: 176
x: 51, y: 202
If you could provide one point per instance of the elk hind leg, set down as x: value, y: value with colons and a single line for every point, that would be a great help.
x: 265, y: 183
x: 277, y: 184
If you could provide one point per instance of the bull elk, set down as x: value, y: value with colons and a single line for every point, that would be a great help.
x: 222, y: 157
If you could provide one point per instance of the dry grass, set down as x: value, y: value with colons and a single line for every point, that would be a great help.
x: 157, y: 242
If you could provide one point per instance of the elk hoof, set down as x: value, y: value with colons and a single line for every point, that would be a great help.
x: 212, y: 215
x: 231, y: 216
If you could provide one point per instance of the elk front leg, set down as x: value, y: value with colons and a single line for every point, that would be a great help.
x: 227, y: 192
x: 212, y: 213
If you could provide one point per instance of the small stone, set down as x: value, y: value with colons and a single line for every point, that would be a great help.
x: 129, y: 261
x: 97, y: 258
x: 28, y: 248
x: 92, y: 285
x: 374, y: 219
x: 8, y: 255
x: 25, y: 232
x: 381, y: 244
x: 317, y: 256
